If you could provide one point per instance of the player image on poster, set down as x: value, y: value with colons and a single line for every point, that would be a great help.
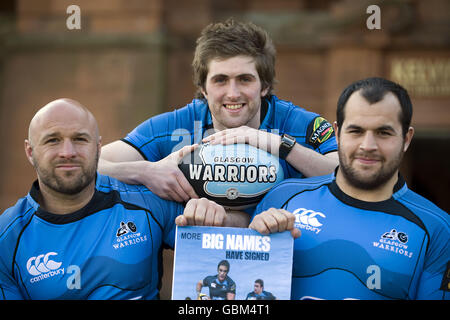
x: 214, y: 263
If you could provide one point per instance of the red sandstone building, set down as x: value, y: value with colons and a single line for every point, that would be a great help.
x: 131, y: 59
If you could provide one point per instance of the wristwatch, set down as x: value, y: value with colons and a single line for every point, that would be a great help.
x: 286, y: 145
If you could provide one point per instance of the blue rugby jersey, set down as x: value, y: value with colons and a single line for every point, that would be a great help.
x: 218, y: 290
x: 163, y: 134
x: 264, y: 295
x: 110, y: 249
x: 352, y: 249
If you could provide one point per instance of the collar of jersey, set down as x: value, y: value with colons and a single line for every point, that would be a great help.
x: 98, y: 202
x: 341, y: 195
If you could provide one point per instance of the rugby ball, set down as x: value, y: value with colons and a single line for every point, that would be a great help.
x: 235, y: 176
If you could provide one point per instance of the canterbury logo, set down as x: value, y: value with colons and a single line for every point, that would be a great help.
x: 308, y: 217
x: 42, y: 264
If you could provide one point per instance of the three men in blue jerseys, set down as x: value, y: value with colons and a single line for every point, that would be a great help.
x: 365, y: 235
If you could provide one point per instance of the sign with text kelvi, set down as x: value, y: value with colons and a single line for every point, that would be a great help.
x: 231, y: 263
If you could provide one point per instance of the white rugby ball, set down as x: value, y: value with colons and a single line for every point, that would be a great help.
x: 235, y: 176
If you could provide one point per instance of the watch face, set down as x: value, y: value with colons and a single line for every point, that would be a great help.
x: 288, y: 140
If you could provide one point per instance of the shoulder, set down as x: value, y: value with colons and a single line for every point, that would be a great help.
x: 288, y: 106
x: 306, y: 183
x: 297, y: 185
x: 430, y: 214
x: 138, y: 195
x: 109, y: 184
x: 209, y: 279
x: 193, y: 110
x: 12, y: 224
x: 230, y: 281
x: 180, y: 117
x: 284, y: 107
x: 17, y: 215
x: 308, y: 126
x: 288, y: 188
x: 268, y: 294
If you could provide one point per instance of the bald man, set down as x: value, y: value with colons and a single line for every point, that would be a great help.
x: 81, y: 235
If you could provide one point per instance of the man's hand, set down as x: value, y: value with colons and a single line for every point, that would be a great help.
x: 275, y: 220
x: 259, y: 139
x: 166, y: 180
x: 202, y: 212
x: 307, y: 161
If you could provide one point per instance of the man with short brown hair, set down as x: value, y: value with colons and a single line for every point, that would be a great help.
x: 234, y: 71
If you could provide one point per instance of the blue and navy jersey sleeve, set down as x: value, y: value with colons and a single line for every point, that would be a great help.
x: 207, y: 280
x: 89, y: 253
x: 308, y: 128
x: 165, y: 212
x: 353, y: 249
x: 279, y: 195
x: 320, y: 135
x: 231, y: 286
x: 315, y: 133
x: 147, y: 136
x: 162, y: 211
x: 11, y: 223
x: 434, y: 281
x: 8, y: 287
x: 163, y: 134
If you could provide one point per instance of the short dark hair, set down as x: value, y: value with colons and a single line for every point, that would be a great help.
x: 260, y: 281
x: 224, y: 263
x: 373, y: 90
x: 229, y: 39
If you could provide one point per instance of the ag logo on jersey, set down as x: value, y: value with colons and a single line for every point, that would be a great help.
x: 125, y: 228
x: 127, y: 235
x: 395, y: 242
x: 308, y: 219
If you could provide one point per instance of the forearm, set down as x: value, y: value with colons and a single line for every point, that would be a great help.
x: 311, y: 163
x: 128, y: 172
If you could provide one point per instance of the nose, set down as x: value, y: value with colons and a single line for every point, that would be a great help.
x: 233, y: 92
x: 67, y: 150
x: 369, y: 143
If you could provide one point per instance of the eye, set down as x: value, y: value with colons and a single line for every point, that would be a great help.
x: 384, y: 133
x: 354, y: 131
x: 219, y: 79
x: 246, y: 79
x: 51, y: 141
x: 81, y: 139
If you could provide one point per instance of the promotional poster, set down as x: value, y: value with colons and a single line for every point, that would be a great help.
x: 231, y: 264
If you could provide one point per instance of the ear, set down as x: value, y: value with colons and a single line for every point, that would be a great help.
x: 29, y: 152
x: 203, y: 91
x: 264, y: 92
x: 99, y: 145
x: 336, y: 131
x: 408, y: 137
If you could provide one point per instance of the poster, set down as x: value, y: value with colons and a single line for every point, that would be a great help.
x: 231, y: 264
